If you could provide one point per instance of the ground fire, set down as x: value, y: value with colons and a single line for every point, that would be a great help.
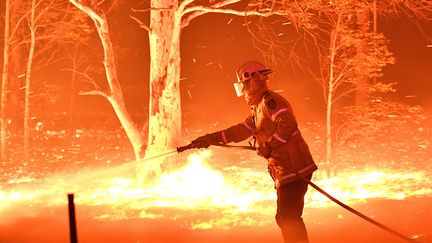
x: 199, y: 194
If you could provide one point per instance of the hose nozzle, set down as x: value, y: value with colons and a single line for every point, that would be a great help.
x: 183, y: 148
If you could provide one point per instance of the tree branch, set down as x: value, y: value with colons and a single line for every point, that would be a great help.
x: 94, y: 92
x: 43, y: 10
x: 87, y: 9
x: 141, y: 24
x: 343, y: 94
x: 12, y: 33
x: 87, y: 77
x: 183, y: 5
x: 241, y: 13
x: 342, y: 73
x: 148, y: 9
x: 197, y: 11
x: 100, y: 3
x: 224, y: 3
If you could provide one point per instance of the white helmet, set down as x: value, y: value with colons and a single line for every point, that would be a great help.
x: 246, y: 72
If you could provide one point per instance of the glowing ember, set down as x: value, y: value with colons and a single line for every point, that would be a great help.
x: 200, y: 196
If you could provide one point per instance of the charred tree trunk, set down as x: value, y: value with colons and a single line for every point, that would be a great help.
x: 5, y: 76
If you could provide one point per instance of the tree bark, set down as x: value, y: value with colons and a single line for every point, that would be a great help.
x: 5, y: 76
x: 164, y: 132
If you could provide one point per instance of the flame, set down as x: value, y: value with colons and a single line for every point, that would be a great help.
x: 201, y: 196
x: 196, y: 181
x: 372, y: 184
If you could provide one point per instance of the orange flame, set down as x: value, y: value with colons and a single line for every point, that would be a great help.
x: 203, y: 197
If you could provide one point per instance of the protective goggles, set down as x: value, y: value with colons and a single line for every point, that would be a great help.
x: 239, y: 86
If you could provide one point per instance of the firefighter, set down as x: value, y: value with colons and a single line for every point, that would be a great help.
x: 274, y: 130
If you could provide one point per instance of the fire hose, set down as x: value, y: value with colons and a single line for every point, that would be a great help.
x: 320, y: 190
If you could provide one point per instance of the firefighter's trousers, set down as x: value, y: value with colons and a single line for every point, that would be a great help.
x: 290, y: 202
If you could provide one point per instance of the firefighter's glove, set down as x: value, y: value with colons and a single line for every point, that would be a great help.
x: 205, y: 141
x: 264, y: 151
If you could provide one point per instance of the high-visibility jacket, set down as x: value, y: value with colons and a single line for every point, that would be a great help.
x: 272, y: 123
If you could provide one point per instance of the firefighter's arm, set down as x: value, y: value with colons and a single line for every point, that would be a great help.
x: 283, y: 118
x: 236, y: 133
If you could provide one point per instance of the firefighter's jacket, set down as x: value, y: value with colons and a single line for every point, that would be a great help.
x: 273, y: 124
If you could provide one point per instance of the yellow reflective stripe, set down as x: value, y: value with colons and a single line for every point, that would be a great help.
x: 248, y: 127
x: 299, y: 172
x: 277, y: 137
x: 296, y: 132
x: 224, y: 137
x: 278, y: 112
x: 280, y: 139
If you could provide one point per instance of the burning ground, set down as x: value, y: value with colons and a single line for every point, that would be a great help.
x: 213, y: 195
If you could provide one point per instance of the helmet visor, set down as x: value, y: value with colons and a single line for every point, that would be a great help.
x: 238, y: 88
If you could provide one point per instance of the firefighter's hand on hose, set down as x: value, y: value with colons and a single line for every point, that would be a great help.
x: 205, y: 141
x: 264, y: 151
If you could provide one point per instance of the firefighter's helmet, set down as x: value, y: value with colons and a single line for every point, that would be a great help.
x: 248, y: 71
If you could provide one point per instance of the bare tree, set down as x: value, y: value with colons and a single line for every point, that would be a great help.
x: 41, y: 29
x: 413, y: 9
x: 115, y: 94
x: 5, y: 75
x: 344, y: 60
x: 32, y: 27
x: 77, y: 59
x: 14, y: 17
x: 354, y: 53
x: 45, y: 27
x: 76, y: 49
